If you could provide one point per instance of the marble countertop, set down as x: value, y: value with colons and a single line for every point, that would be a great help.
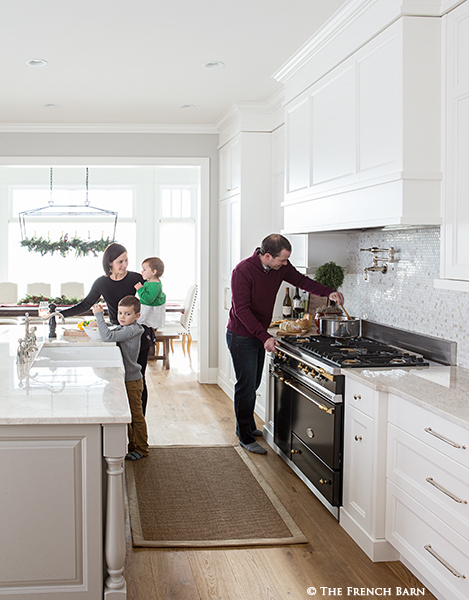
x: 439, y: 389
x: 33, y: 394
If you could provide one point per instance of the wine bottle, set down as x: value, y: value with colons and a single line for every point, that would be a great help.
x: 298, y: 305
x: 287, y: 305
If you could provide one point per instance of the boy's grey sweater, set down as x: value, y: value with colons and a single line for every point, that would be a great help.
x: 128, y: 339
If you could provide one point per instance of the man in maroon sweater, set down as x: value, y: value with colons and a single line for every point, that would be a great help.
x: 255, y: 282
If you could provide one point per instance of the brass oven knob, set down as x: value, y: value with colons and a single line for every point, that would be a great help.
x: 295, y: 451
x: 325, y: 481
x: 309, y: 432
x: 306, y: 370
x: 300, y: 366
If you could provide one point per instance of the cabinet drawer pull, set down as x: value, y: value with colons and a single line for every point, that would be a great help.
x: 358, y: 438
x: 443, y: 438
x: 295, y: 451
x: 431, y: 481
x: 429, y: 549
x: 357, y: 397
x: 325, y: 481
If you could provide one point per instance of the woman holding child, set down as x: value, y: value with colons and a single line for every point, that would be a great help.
x: 117, y: 283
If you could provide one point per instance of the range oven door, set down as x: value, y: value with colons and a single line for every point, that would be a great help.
x: 317, y: 422
x: 308, y: 428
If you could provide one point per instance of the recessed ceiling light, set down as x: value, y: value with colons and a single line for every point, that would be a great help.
x: 36, y: 62
x: 51, y: 106
x: 214, y: 64
x: 186, y: 106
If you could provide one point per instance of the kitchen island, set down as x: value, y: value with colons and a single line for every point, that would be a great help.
x: 63, y: 438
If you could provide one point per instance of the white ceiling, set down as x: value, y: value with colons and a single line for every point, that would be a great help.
x: 129, y: 62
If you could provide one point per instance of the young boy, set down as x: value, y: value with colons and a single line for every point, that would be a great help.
x: 127, y: 335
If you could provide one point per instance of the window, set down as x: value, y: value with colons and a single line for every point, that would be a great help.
x: 178, y: 238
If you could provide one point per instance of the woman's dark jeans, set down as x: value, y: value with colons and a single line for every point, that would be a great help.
x: 248, y: 356
x: 142, y: 361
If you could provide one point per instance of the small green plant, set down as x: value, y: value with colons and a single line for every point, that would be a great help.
x: 330, y: 275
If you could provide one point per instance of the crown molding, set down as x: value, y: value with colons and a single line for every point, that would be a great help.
x: 260, y: 109
x: 332, y: 28
x: 345, y: 17
x: 105, y: 128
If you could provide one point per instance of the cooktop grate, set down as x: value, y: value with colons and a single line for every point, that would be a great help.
x: 354, y: 352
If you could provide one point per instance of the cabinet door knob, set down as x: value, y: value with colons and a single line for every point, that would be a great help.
x: 358, y: 438
x: 295, y: 451
x: 357, y: 397
x: 310, y: 432
x: 325, y: 481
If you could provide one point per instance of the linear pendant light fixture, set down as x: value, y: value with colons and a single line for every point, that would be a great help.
x: 52, y: 212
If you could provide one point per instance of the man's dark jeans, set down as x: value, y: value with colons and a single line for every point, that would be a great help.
x: 248, y: 360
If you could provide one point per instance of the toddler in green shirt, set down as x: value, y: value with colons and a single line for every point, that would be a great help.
x: 151, y: 295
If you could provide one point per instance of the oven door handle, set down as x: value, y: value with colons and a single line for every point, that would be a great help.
x: 329, y: 411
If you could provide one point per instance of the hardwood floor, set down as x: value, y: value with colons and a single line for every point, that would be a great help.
x: 182, y: 411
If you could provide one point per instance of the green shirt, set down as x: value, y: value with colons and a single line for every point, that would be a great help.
x: 151, y: 294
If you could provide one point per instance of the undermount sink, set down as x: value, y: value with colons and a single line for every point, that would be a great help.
x: 78, y: 356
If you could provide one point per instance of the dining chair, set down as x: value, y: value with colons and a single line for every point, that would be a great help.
x: 35, y: 289
x: 8, y: 292
x: 183, y: 325
x: 72, y: 289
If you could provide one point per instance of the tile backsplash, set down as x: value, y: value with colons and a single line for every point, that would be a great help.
x: 405, y: 296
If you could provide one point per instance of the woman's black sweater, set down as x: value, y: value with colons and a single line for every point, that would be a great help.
x: 112, y: 292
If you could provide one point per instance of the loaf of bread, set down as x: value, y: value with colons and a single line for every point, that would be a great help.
x: 303, y: 323
x: 290, y: 327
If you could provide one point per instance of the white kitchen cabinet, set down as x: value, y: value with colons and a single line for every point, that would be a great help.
x: 230, y: 169
x: 363, y: 142
x: 364, y: 465
x: 244, y: 220
x: 427, y: 496
x: 455, y: 231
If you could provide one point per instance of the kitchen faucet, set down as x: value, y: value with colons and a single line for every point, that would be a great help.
x: 28, y: 344
x: 52, y: 321
x: 375, y: 267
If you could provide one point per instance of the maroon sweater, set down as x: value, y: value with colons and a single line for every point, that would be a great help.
x: 254, y: 291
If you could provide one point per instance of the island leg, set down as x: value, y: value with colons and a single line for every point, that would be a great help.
x: 115, y: 440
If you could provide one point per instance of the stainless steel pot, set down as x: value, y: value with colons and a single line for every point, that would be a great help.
x: 340, y: 327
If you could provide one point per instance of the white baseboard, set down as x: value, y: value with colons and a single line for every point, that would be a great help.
x: 378, y: 550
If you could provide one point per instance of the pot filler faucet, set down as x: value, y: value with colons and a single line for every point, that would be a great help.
x: 375, y: 267
x: 53, y: 321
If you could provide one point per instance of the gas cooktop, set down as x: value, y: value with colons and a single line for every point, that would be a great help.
x: 354, y: 352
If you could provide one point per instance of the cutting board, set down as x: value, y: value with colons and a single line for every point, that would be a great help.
x: 75, y: 333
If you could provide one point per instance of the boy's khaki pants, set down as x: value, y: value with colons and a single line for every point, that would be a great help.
x: 137, y: 430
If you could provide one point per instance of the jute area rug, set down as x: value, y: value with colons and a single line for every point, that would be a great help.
x: 194, y: 496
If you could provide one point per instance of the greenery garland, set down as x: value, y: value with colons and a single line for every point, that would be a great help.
x: 65, y: 245
x: 59, y: 300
